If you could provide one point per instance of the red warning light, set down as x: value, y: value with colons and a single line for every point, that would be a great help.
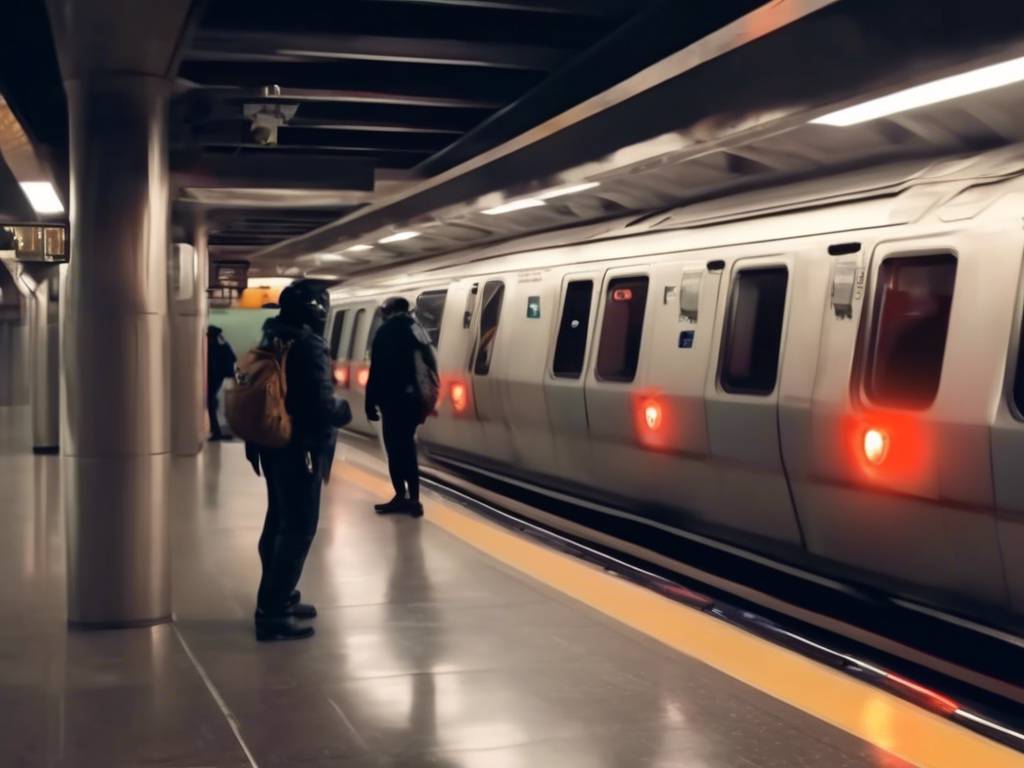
x: 460, y: 397
x: 652, y: 415
x: 362, y: 377
x: 876, y: 445
x: 622, y: 294
x: 341, y: 375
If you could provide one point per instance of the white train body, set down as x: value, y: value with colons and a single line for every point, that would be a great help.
x: 868, y: 447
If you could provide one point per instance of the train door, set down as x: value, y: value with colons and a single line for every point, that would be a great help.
x: 484, y: 372
x: 615, y: 463
x: 742, y: 401
x: 564, y: 380
x: 359, y: 368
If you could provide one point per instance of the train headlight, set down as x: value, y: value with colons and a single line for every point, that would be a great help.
x: 460, y: 397
x: 876, y: 445
x: 362, y: 377
x: 341, y: 375
x: 652, y: 415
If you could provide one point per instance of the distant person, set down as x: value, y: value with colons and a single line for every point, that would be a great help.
x: 296, y: 472
x: 220, y: 364
x: 403, y: 371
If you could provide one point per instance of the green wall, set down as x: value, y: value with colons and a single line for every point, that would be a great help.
x: 242, y: 327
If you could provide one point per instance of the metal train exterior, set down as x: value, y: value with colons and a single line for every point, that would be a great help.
x: 825, y: 374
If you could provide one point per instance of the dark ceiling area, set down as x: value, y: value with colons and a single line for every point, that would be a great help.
x: 406, y: 88
x: 390, y: 84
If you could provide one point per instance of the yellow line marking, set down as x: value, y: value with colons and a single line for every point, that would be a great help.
x: 877, y: 717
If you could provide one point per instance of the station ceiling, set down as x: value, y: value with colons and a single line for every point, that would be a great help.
x: 393, y: 115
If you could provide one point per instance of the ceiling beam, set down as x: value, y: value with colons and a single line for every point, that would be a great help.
x: 599, y: 8
x: 272, y: 46
x: 270, y: 170
x: 331, y: 139
x: 396, y: 95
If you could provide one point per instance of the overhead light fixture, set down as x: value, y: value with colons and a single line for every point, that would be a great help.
x: 944, y: 89
x: 322, y: 276
x: 515, y: 205
x: 399, y: 237
x: 561, y: 191
x: 359, y: 248
x: 42, y: 196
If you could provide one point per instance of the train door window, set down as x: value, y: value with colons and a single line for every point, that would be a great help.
x: 913, y: 297
x: 571, y: 345
x: 429, y: 310
x: 622, y: 329
x: 375, y: 323
x: 753, y: 331
x: 357, y: 326
x: 490, y: 314
x: 339, y: 323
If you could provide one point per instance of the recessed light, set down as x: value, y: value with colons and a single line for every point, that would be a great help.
x: 398, y: 237
x: 42, y: 196
x: 944, y: 89
x: 515, y: 205
x: 560, y: 191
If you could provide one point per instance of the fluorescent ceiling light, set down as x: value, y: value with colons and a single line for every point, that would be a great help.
x: 359, y: 248
x: 331, y: 257
x: 975, y: 81
x: 560, y: 191
x: 515, y: 205
x: 398, y: 237
x: 42, y: 196
x: 322, y: 276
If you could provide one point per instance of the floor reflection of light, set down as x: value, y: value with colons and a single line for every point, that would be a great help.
x: 877, y: 718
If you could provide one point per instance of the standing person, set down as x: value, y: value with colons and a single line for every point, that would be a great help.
x: 220, y: 364
x: 394, y: 389
x: 296, y: 472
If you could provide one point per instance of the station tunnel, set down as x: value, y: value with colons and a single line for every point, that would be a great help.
x: 607, y: 383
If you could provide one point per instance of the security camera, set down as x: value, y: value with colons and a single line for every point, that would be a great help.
x: 265, y: 119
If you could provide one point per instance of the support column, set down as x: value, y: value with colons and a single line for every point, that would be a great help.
x: 188, y: 343
x: 44, y: 359
x: 116, y: 350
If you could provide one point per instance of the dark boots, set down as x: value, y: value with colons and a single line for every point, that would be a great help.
x: 271, y: 628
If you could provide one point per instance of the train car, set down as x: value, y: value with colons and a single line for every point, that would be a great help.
x: 824, y: 373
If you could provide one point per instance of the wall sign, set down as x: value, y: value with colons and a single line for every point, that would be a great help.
x: 533, y: 307
x: 686, y: 339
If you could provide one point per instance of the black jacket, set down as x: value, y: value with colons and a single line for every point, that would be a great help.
x: 392, y: 381
x: 220, y: 357
x: 316, y: 413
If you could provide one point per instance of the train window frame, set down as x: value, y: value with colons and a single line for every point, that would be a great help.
x: 610, y: 286
x: 485, y: 368
x: 867, y: 367
x: 435, y: 336
x: 576, y: 372
x: 731, y: 309
x: 360, y: 313
x: 337, y: 331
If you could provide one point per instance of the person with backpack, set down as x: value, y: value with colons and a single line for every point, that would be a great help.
x: 402, y: 391
x: 284, y: 407
x: 220, y: 365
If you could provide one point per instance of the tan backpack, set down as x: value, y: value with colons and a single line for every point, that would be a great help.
x: 255, y: 407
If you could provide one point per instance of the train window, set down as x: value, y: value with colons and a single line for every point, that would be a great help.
x: 429, y: 309
x: 375, y: 323
x: 622, y: 329
x: 339, y: 323
x: 753, y: 333
x: 572, y: 331
x: 490, y: 314
x: 357, y: 326
x: 913, y: 297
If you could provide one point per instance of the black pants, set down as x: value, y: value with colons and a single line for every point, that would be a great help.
x: 293, y: 511
x: 399, y: 432
x: 212, y: 390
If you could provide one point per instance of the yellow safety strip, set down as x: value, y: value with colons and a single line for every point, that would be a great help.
x: 879, y: 718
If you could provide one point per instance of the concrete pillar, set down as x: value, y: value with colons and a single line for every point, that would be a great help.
x: 115, y: 58
x: 187, y: 287
x: 44, y: 358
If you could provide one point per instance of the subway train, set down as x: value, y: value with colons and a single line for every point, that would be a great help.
x: 826, y: 373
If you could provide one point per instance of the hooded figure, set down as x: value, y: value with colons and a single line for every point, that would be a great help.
x: 393, y: 391
x: 295, y: 473
x: 220, y: 364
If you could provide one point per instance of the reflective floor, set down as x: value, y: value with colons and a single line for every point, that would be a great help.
x: 427, y: 653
